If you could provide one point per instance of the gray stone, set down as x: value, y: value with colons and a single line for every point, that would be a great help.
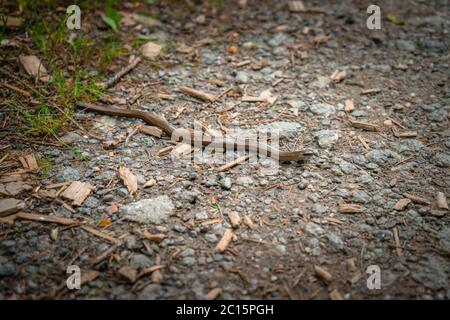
x: 284, y: 129
x: 226, y: 183
x: 7, y: 269
x: 361, y: 197
x: 382, y: 156
x: 69, y: 174
x: 439, y: 115
x: 431, y: 271
x: 155, y: 210
x: 242, y: 77
x: 314, y: 229
x: 411, y: 145
x: 151, y: 292
x: 319, y: 208
x: 335, y: 241
x: 279, y: 39
x: 322, y: 109
x: 210, y: 237
x: 244, y: 181
x: 327, y: 138
x: 202, y: 215
x: 71, y: 137
x: 405, y: 45
x: 179, y: 228
x: 383, y: 234
x: 140, y: 261
x: 442, y: 160
x: 91, y: 202
x: 281, y: 249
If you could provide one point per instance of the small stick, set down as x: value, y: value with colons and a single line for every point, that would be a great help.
x: 101, y: 234
x: 121, y: 73
x: 197, y: 94
x: 397, y: 242
x: 231, y: 164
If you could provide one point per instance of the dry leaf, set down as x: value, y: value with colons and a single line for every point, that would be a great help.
x: 34, y: 67
x: 104, y: 223
x: 129, y: 179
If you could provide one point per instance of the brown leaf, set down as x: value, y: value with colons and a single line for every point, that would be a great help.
x: 34, y: 67
x: 129, y: 179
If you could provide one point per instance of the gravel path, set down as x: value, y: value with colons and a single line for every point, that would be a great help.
x: 301, y: 242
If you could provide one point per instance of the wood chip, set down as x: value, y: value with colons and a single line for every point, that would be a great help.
x: 401, y: 204
x: 156, y: 275
x: 150, y: 270
x: 151, y: 131
x: 296, y: 6
x: 29, y: 163
x: 235, y: 219
x: 14, y: 188
x: 398, y: 246
x: 164, y: 151
x: 248, y: 222
x: 77, y: 192
x: 181, y: 150
x: 351, y: 265
x: 44, y: 218
x: 157, y: 237
x: 149, y: 183
x: 349, y: 105
x: 441, y: 201
x: 100, y: 234
x: 129, y: 179
x: 88, y: 276
x: 165, y: 96
x: 10, y: 206
x: 417, y: 199
x: 197, y: 94
x: 232, y: 164
x: 225, y: 241
x: 213, y: 294
x: 13, y: 22
x: 34, y: 67
x: 370, y: 91
x: 350, y: 208
x: 322, y: 274
x: 335, y: 295
x: 438, y: 213
x: 405, y: 134
x: 364, y: 125
x: 338, y: 76
x: 128, y: 273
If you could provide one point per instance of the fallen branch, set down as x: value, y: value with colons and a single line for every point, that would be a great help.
x: 121, y: 73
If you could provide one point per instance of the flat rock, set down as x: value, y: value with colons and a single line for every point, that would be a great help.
x: 322, y: 109
x: 285, y: 129
x: 156, y: 210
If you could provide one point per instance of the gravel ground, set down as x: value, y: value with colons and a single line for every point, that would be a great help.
x: 298, y: 224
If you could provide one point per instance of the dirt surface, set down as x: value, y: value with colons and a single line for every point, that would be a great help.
x: 397, y: 79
